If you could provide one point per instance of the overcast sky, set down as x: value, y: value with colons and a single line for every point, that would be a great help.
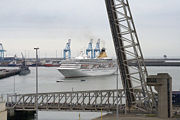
x: 48, y: 24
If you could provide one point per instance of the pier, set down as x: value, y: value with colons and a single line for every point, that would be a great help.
x: 7, y: 73
x: 160, y: 62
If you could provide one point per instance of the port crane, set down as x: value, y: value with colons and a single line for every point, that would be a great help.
x: 128, y: 50
x: 90, y: 49
x: 97, y: 48
x: 2, y: 52
x: 67, y: 49
x: 23, y: 60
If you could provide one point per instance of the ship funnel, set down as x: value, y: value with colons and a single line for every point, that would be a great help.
x: 102, y: 53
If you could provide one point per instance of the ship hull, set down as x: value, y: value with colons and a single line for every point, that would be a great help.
x: 51, y: 65
x: 70, y: 73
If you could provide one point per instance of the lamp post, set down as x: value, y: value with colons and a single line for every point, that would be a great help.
x: 14, y: 86
x: 36, y: 101
x: 117, y: 107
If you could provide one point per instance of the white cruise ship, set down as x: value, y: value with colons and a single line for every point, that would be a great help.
x: 88, y: 67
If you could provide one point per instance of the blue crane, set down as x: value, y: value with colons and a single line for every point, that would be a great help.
x: 1, y: 52
x: 90, y: 49
x: 67, y: 49
x: 97, y: 49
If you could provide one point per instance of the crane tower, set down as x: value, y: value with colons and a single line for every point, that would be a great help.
x: 128, y: 50
x: 97, y: 48
x: 67, y: 49
x: 1, y: 52
x: 90, y: 49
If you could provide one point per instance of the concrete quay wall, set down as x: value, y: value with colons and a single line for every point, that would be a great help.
x: 3, y: 111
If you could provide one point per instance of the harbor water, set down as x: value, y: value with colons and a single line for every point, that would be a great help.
x: 48, y: 77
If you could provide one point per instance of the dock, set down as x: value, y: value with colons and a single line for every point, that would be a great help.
x: 4, y: 73
x: 159, y: 62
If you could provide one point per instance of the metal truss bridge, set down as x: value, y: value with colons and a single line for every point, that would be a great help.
x: 105, y: 100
